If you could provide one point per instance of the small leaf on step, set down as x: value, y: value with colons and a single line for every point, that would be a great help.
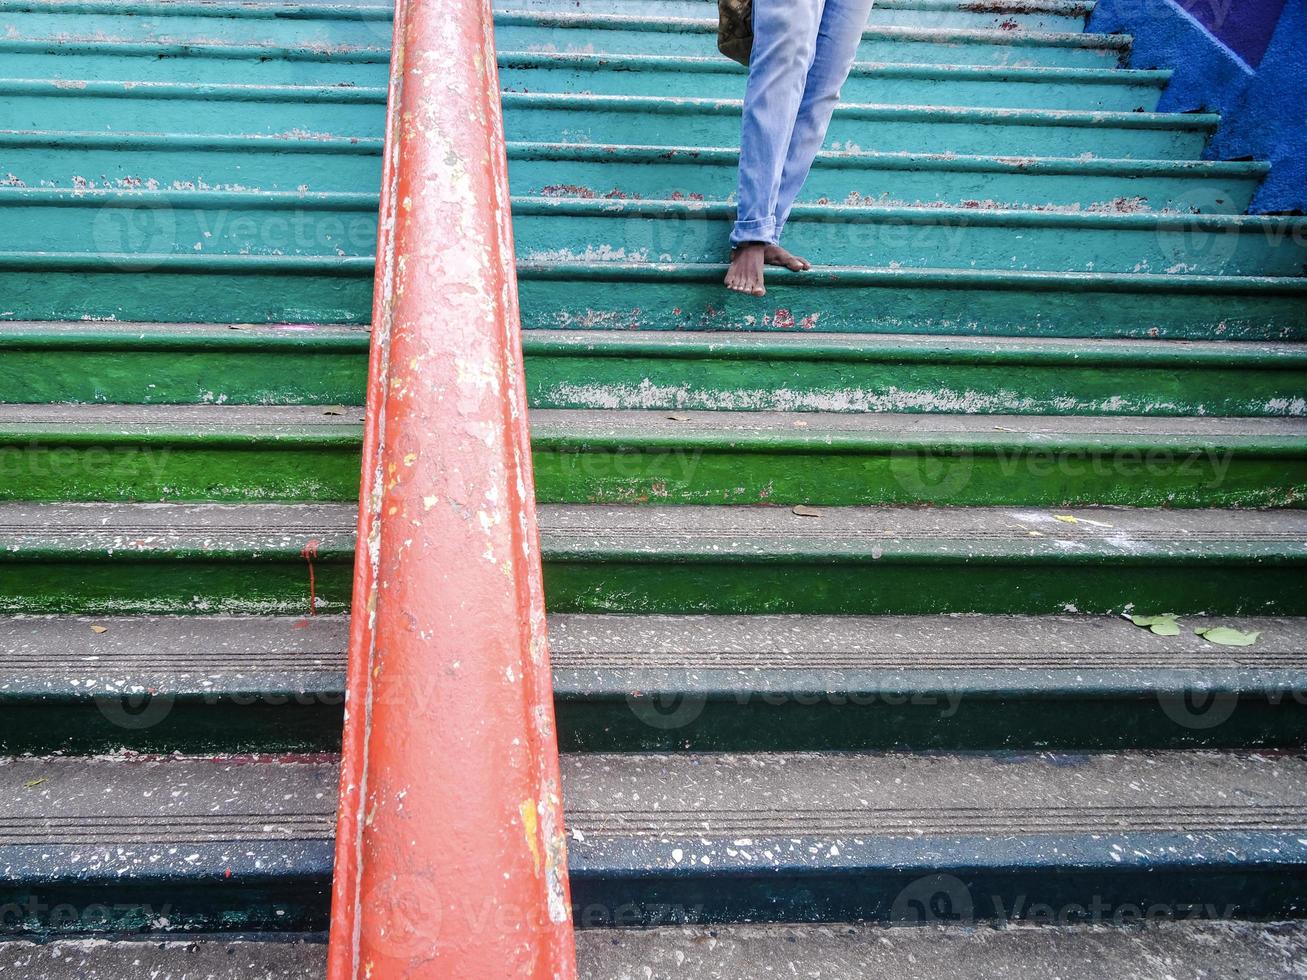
x: 1065, y: 519
x: 99, y: 629
x: 36, y: 782
x: 679, y: 418
x: 332, y: 411
x: 803, y: 510
x: 800, y: 424
x: 1161, y: 625
x: 1227, y: 636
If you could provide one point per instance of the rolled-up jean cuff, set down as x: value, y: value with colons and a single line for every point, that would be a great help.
x: 758, y: 230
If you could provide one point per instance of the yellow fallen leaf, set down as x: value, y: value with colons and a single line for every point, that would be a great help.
x: 36, y: 782
x: 802, y: 510
x: 99, y: 629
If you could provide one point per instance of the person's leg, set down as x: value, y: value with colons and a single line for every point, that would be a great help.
x: 784, y: 45
x: 841, y: 29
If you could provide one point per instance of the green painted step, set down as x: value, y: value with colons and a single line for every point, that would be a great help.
x: 238, y: 223
x: 580, y: 295
x: 608, y: 119
x: 185, y: 107
x: 580, y: 230
x: 196, y: 162
x: 288, y: 558
x: 243, y: 453
x: 1109, y: 89
x: 689, y: 172
x: 190, y: 161
x: 205, y: 62
x: 584, y: 33
x: 217, y: 684
x: 235, y: 364
x: 1006, y: 15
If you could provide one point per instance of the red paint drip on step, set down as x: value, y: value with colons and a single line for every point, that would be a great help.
x: 308, y: 554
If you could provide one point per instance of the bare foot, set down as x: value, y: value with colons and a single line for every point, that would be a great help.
x: 775, y: 255
x: 745, y: 273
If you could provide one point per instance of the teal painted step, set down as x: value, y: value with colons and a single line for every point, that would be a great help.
x: 187, y: 161
x: 580, y: 33
x: 190, y: 161
x: 1007, y: 15
x: 204, y: 63
x: 313, y: 26
x: 1110, y: 89
x: 616, y: 296
x: 182, y: 107
x: 295, y: 453
x: 288, y: 558
x: 325, y: 365
x: 572, y: 230
x: 687, y: 172
x: 642, y: 120
x: 582, y: 295
x: 221, y: 223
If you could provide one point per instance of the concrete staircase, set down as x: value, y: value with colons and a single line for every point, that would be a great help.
x: 1046, y: 372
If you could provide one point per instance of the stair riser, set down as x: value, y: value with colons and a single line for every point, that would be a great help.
x: 536, y: 120
x: 275, y: 895
x: 534, y: 174
x: 255, y: 470
x: 680, y: 234
x: 944, y: 720
x: 884, y: 184
x: 185, y: 166
x: 277, y: 376
x: 622, y: 583
x: 619, y: 583
x: 774, y: 719
x: 292, y: 296
x: 881, y: 89
x: 71, y: 110
x: 887, y: 49
x: 907, y: 307
x: 609, y: 896
x: 881, y: 16
x: 84, y: 62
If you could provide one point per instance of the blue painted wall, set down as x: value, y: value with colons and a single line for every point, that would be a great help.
x: 1238, y: 59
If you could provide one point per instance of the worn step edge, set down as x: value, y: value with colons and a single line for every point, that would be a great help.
x: 872, y: 112
x: 61, y: 659
x: 205, y: 8
x: 697, y: 25
x: 895, y: 69
x: 77, y: 47
x: 679, y: 534
x: 204, y: 91
x: 246, y: 142
x: 308, y: 426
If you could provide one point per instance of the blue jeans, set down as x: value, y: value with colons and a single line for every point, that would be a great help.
x: 802, y: 52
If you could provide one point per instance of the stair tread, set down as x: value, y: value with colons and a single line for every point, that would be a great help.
x: 156, y: 958
x: 611, y: 655
x: 552, y: 426
x: 686, y: 532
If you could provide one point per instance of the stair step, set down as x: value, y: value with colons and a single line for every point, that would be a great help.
x: 190, y: 162
x: 1005, y: 15
x: 749, y: 952
x: 659, y: 683
x: 611, y: 295
x: 291, y: 558
x: 259, y: 453
x: 185, y: 107
x: 1104, y: 89
x: 800, y: 837
x: 612, y: 34
x: 836, y: 837
x: 233, y: 843
x: 241, y: 223
x: 689, y: 172
x: 232, y: 364
x: 177, y: 288
x: 607, y: 119
x: 581, y: 230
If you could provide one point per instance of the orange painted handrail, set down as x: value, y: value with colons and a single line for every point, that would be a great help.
x: 450, y: 854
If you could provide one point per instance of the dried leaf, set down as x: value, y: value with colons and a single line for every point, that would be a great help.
x: 1228, y: 636
x: 332, y: 411
x: 36, y: 782
x: 679, y: 418
x: 99, y: 629
x: 803, y: 510
x: 1065, y: 519
x: 1161, y: 625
